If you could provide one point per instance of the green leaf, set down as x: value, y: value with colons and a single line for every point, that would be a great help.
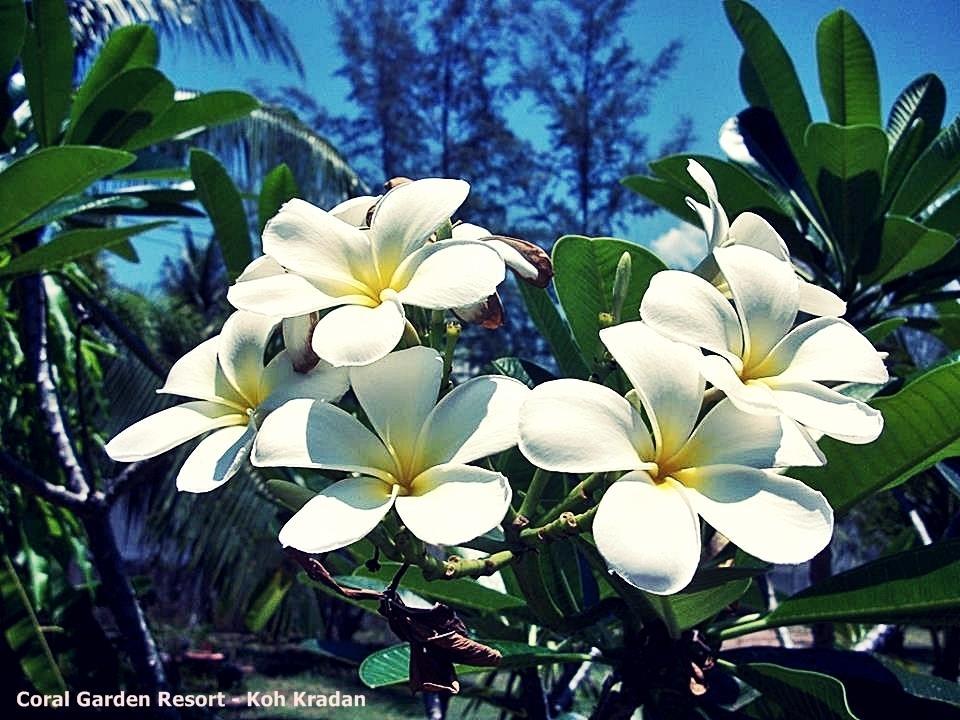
x: 186, y: 117
x: 126, y: 47
x: 47, y: 58
x: 847, y: 166
x: 42, y: 178
x: 901, y: 159
x: 935, y: 171
x: 71, y: 245
x: 278, y: 186
x: 848, y: 71
x: 461, y: 593
x: 555, y: 331
x: 583, y: 275
x: 290, y: 495
x: 13, y: 20
x: 268, y: 600
x: 906, y: 247
x: 924, y: 99
x: 775, y: 72
x: 665, y: 194
x: 23, y: 633
x: 221, y: 199
x: 738, y: 190
x: 947, y: 216
x: 76, y: 205
x: 921, y: 423
x: 688, y: 609
x: 391, y: 666
x: 527, y: 372
x: 796, y: 693
x: 879, y: 332
x: 127, y: 103
x: 914, y: 586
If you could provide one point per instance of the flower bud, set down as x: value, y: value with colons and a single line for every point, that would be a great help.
x: 621, y: 284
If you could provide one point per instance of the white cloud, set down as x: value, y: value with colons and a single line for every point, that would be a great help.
x: 681, y: 247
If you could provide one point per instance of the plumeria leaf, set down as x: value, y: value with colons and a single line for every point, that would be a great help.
x: 221, y: 199
x: 820, y: 696
x: 848, y: 71
x: 555, y: 330
x: 906, y: 246
x: 935, y: 171
x: 279, y: 185
x: 688, y: 609
x: 47, y: 60
x: 288, y: 494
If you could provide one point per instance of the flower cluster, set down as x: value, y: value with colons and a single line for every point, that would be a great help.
x: 727, y: 391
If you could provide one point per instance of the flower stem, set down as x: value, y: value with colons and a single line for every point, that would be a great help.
x: 580, y: 493
x: 410, y: 337
x: 564, y: 526
x: 748, y: 624
x: 532, y: 499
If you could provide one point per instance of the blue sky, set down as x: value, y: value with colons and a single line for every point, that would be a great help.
x: 909, y: 39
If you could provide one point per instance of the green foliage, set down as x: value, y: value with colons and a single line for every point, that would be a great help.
x: 279, y: 185
x: 848, y: 71
x: 795, y: 693
x: 47, y: 59
x: 222, y: 201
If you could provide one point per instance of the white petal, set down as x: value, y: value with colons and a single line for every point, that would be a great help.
x: 340, y: 515
x: 770, y: 516
x: 281, y: 382
x: 298, y: 340
x: 577, y: 426
x: 216, y: 459
x: 354, y: 211
x: 825, y: 349
x: 168, y: 428
x: 648, y: 534
x: 705, y: 214
x: 766, y: 293
x: 453, y: 503
x: 397, y: 393
x: 449, y: 274
x: 751, y: 230
x: 719, y: 224
x: 833, y: 414
x: 687, y: 308
x: 242, y: 343
x: 752, y: 397
x: 285, y: 295
x: 469, y: 231
x: 476, y: 419
x: 198, y: 375
x: 666, y: 376
x: 310, y: 433
x: 311, y: 242
x: 816, y: 300
x: 729, y: 436
x: 263, y: 266
x: 409, y: 213
x: 357, y: 335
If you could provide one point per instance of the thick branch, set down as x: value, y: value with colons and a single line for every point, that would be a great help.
x: 23, y: 476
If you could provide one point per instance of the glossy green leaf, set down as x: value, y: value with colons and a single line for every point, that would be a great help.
x: 47, y: 60
x: 462, y: 593
x: 689, y: 608
x: 905, y: 247
x: 72, y: 245
x: 13, y: 20
x: 125, y: 105
x: 24, y: 635
x: 391, y: 665
x: 665, y: 194
x: 924, y: 99
x: 920, y: 423
x: 221, y: 199
x: 278, y: 186
x: 934, y: 172
x: 554, y: 330
x: 915, y: 586
x: 846, y: 164
x: 186, y: 117
x: 76, y: 205
x: 739, y: 191
x: 775, y: 71
x: 848, y: 71
x: 126, y: 47
x: 290, y: 495
x: 879, y: 332
x: 527, y: 372
x: 583, y: 275
x: 947, y: 216
x: 901, y: 158
x: 267, y: 601
x: 795, y: 693
x: 40, y: 179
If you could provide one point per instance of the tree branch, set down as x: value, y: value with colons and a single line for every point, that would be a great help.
x: 30, y: 481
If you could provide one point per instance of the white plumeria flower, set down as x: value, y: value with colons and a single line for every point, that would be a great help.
x: 760, y: 363
x: 415, y: 459
x: 316, y: 261
x: 233, y: 392
x: 751, y: 230
x: 647, y: 526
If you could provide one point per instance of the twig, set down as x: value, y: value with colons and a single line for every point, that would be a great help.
x: 29, y: 480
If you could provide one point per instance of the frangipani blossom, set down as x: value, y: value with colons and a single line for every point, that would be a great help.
x: 647, y: 523
x: 415, y: 459
x: 314, y: 260
x: 760, y: 363
x: 233, y: 391
x: 751, y: 230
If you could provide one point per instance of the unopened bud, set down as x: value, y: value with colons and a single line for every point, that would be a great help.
x: 605, y: 319
x: 621, y: 284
